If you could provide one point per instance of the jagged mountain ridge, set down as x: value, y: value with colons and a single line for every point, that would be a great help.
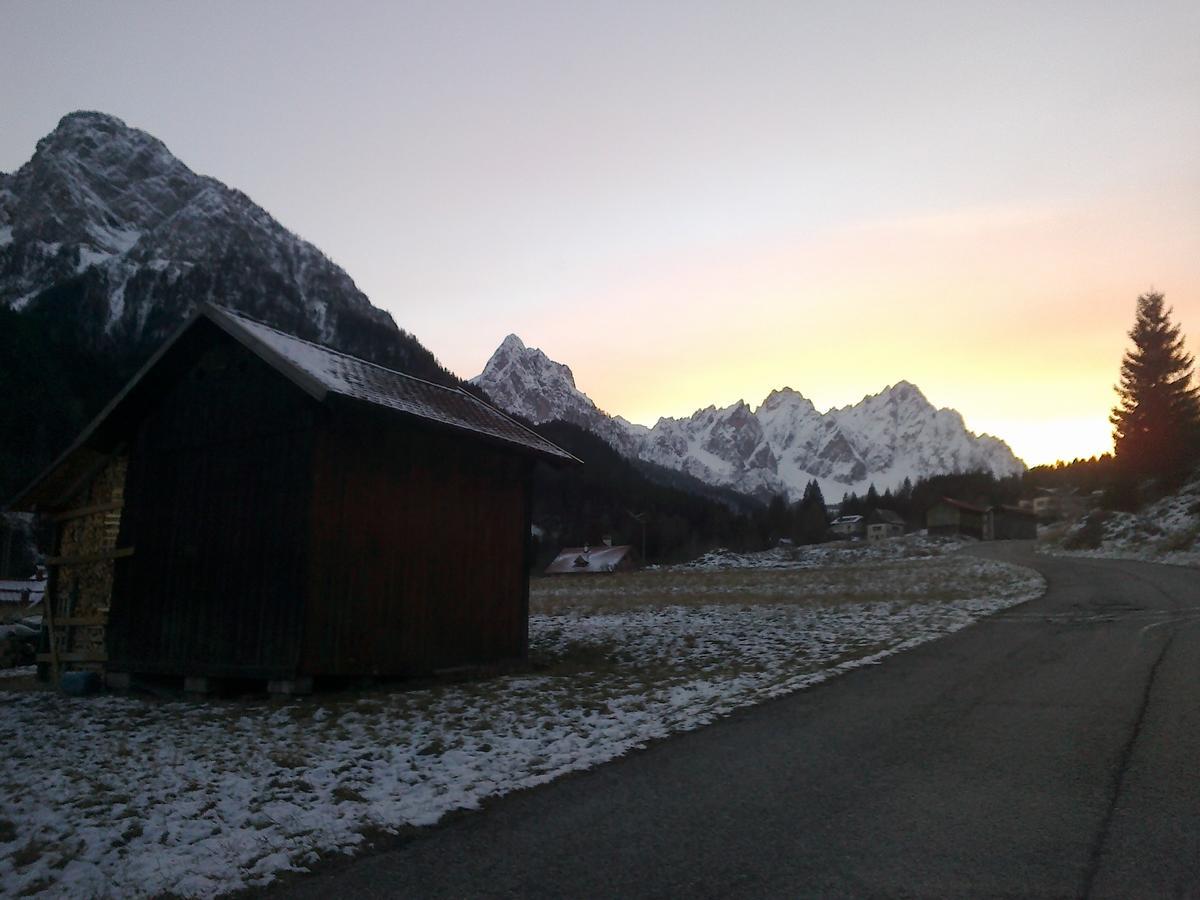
x: 106, y: 224
x: 774, y: 449
x: 524, y: 380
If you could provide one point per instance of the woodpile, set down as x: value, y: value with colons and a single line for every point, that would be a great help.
x: 81, y: 572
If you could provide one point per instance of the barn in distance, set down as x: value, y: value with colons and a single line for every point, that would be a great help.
x: 256, y: 506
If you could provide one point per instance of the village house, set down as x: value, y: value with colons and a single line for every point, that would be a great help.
x: 848, y: 526
x: 1059, y: 503
x: 883, y: 524
x: 256, y: 506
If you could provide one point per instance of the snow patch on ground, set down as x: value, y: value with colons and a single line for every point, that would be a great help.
x: 123, y: 796
x: 1167, y: 531
x: 836, y: 553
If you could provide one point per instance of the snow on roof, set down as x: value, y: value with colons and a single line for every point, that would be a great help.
x: 572, y: 560
x: 846, y: 520
x: 339, y: 373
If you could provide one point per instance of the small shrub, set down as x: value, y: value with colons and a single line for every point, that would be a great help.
x: 1184, y: 539
x: 344, y: 794
x: 1089, y: 535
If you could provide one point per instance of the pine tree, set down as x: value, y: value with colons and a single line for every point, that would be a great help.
x: 872, y: 497
x: 1157, y: 417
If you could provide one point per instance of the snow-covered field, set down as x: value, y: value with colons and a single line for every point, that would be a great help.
x: 1166, y: 532
x: 126, y: 796
x: 837, y: 553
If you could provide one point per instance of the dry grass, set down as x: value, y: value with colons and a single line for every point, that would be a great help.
x: 905, y: 581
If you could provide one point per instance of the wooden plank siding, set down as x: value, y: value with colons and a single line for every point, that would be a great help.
x: 419, y: 549
x: 216, y: 504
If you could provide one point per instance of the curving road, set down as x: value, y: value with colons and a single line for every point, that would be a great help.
x: 1050, y: 751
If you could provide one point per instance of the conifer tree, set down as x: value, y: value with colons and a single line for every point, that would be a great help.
x: 812, y: 519
x: 1156, y: 421
x: 872, y: 497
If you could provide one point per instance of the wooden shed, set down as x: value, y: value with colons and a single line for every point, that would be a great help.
x: 253, y: 505
x: 953, y: 517
x: 1012, y: 523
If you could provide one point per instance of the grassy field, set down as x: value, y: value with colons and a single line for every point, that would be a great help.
x: 934, y: 579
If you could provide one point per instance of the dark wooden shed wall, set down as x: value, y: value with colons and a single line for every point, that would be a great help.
x: 418, y: 551
x: 1015, y: 525
x: 216, y: 509
x: 947, y: 519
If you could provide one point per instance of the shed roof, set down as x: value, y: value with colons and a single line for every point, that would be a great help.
x: 320, y: 372
x: 576, y: 560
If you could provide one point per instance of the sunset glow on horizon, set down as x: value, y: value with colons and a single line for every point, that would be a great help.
x: 698, y: 204
x: 846, y: 316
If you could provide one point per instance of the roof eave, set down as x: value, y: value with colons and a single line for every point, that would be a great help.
x: 276, y: 360
x: 438, y: 425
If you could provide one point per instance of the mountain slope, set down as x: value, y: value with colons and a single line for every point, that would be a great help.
x: 125, y: 240
x: 775, y: 449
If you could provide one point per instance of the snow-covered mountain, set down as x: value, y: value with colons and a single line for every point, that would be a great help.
x: 123, y: 239
x: 525, y: 381
x: 777, y: 448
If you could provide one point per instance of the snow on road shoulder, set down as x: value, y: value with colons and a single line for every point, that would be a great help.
x: 122, y: 796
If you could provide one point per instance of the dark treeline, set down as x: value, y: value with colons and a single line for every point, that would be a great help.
x: 611, y: 496
x: 912, y: 500
x: 1085, y: 476
x: 50, y: 385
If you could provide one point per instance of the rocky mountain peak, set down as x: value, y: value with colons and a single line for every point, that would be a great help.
x: 525, y: 381
x: 103, y: 217
x: 786, y: 399
x: 510, y: 345
x: 519, y: 366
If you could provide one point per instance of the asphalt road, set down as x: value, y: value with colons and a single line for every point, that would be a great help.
x: 1048, y: 751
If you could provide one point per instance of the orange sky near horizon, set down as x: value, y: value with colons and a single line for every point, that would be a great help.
x: 1016, y: 318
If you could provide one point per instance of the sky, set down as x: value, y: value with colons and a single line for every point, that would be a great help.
x: 695, y: 203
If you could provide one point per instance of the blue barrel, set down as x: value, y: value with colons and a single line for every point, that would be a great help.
x: 80, y: 684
